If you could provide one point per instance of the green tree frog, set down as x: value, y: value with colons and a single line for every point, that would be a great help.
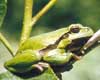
x: 55, y: 48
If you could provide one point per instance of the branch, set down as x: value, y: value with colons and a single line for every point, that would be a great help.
x: 27, y: 20
x: 92, y: 40
x: 7, y: 45
x: 42, y: 12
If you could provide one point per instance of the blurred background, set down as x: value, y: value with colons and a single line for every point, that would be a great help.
x: 62, y: 14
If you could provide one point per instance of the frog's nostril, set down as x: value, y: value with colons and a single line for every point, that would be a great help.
x: 86, y: 29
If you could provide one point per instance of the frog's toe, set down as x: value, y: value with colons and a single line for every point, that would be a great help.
x: 76, y: 57
x: 41, y: 66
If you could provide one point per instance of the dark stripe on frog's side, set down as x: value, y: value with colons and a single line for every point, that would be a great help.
x: 53, y: 46
x: 43, y: 40
x: 74, y: 47
x: 75, y: 29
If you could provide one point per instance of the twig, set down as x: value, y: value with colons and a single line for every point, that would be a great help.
x: 7, y: 45
x: 95, y: 38
x: 42, y: 12
x: 27, y: 21
x: 92, y: 40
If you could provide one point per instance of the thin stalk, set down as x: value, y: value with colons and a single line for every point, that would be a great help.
x: 29, y: 21
x: 42, y: 12
x: 26, y: 29
x: 7, y: 45
x: 92, y: 40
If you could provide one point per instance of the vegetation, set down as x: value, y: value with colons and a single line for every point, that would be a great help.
x: 63, y: 13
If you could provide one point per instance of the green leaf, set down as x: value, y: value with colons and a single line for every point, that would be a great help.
x: 87, y: 68
x: 47, y: 75
x: 3, y: 8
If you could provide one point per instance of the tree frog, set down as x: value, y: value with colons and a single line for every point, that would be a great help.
x: 55, y: 48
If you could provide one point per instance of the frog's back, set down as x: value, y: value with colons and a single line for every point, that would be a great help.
x: 43, y: 40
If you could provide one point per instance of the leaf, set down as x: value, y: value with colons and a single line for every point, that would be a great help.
x: 87, y: 68
x: 47, y: 75
x: 3, y: 8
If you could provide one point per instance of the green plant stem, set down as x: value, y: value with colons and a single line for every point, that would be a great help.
x: 29, y: 21
x: 7, y: 45
x: 26, y: 29
x: 42, y: 12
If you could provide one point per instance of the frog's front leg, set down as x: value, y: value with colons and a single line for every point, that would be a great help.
x: 59, y: 57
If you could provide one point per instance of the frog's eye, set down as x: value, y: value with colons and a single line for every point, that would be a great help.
x: 75, y: 29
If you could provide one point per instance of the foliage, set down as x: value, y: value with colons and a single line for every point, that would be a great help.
x: 2, y: 10
x: 65, y: 12
x: 85, y: 69
x: 47, y: 75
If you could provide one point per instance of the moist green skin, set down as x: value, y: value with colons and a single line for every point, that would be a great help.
x: 46, y: 48
x: 23, y: 62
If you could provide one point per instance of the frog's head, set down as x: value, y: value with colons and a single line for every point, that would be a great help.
x: 77, y: 31
x: 22, y: 62
x: 76, y: 36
